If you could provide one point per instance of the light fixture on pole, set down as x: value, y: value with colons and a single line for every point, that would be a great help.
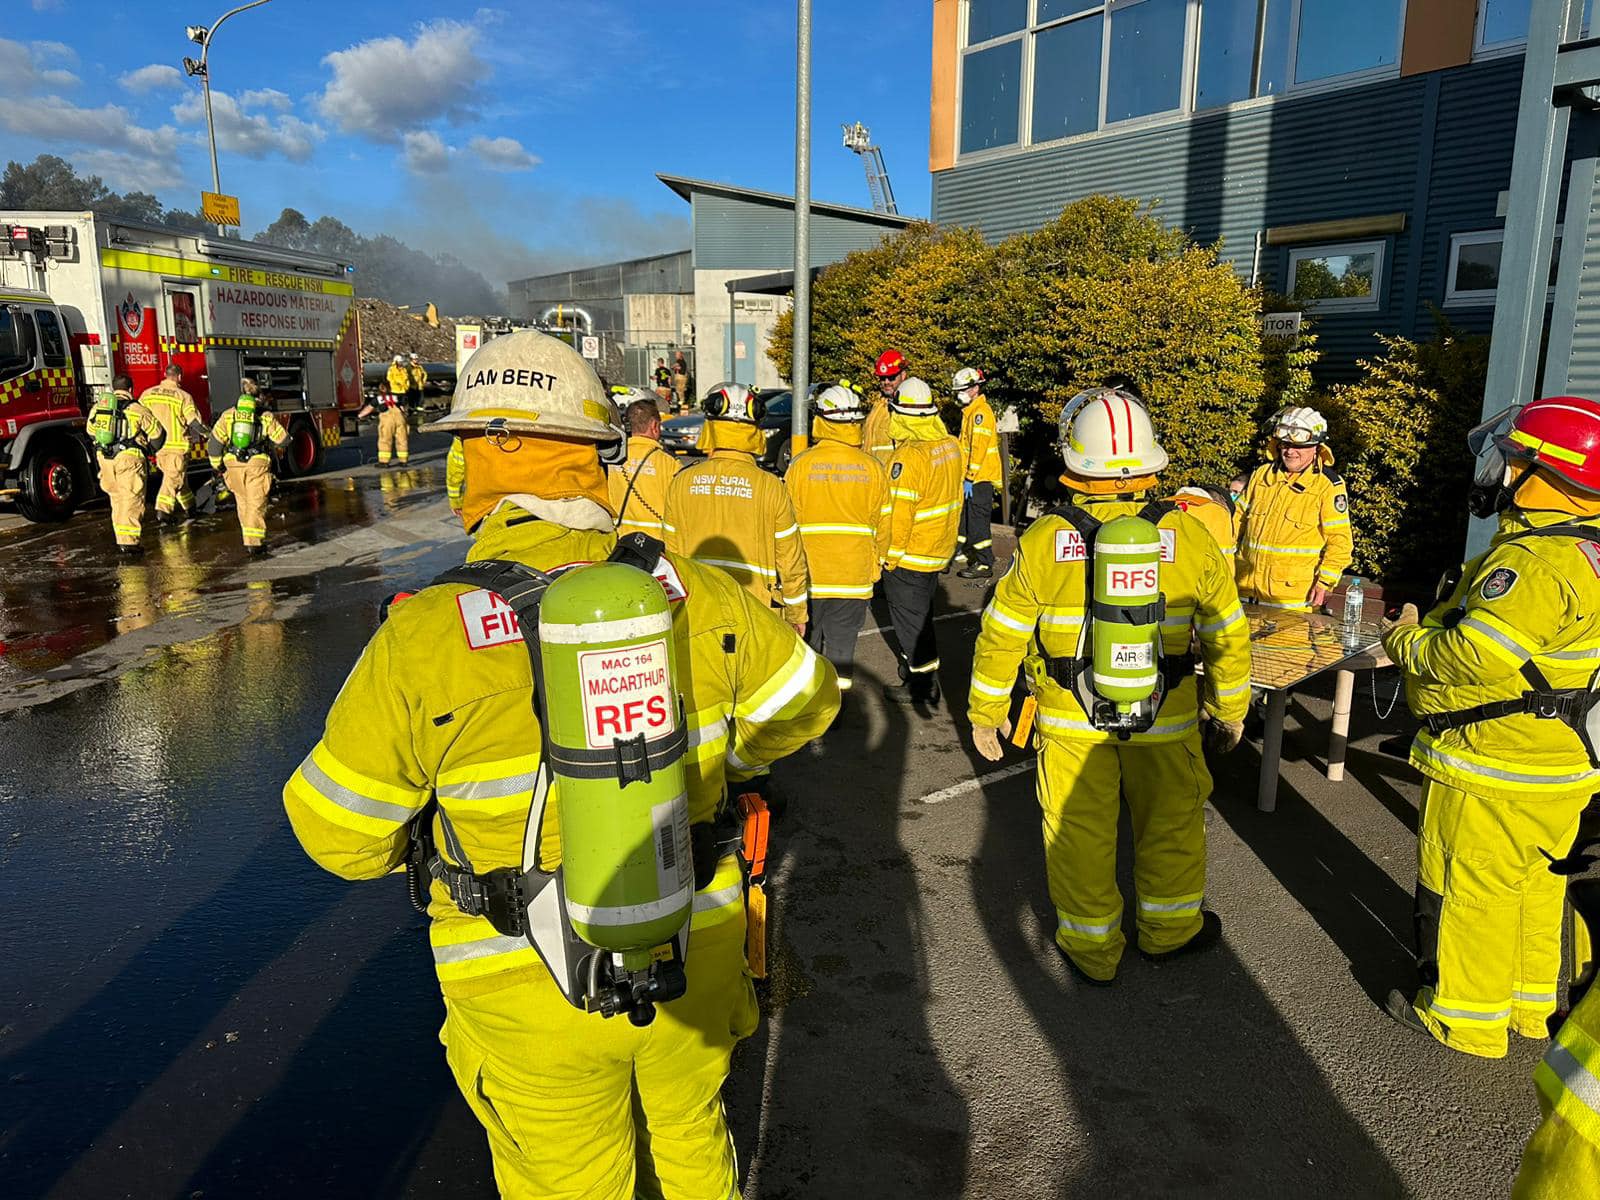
x: 202, y: 36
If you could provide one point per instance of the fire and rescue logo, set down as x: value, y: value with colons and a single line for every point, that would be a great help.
x: 130, y: 314
x: 1340, y: 503
x: 1497, y: 583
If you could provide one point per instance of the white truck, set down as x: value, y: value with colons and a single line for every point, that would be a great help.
x: 84, y: 298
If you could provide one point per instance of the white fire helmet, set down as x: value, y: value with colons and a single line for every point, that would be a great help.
x: 1106, y: 434
x: 623, y: 395
x: 1299, y: 427
x: 838, y: 404
x: 964, y: 379
x: 399, y: 360
x: 914, y: 398
x: 527, y: 382
x: 734, y: 402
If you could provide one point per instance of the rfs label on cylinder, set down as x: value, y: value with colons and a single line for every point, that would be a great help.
x: 1133, y: 656
x: 1133, y: 580
x: 626, y: 692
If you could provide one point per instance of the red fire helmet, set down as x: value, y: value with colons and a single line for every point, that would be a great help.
x: 1561, y: 434
x: 890, y: 364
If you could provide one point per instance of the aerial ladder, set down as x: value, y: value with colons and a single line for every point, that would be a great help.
x: 858, y: 138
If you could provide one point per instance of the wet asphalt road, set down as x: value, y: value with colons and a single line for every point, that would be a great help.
x: 189, y: 1008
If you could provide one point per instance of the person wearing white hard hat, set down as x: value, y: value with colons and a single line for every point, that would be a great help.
x: 1090, y: 757
x: 439, y: 720
x: 924, y: 517
x: 980, y: 456
x: 728, y: 512
x: 1293, y: 518
x: 639, y: 485
x: 840, y: 495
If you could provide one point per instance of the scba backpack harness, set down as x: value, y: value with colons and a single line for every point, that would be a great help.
x: 1577, y: 708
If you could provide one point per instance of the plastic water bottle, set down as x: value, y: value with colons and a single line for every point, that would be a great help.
x: 1354, y: 598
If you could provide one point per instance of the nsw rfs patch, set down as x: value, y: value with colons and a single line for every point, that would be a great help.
x: 977, y: 419
x: 1497, y: 583
x: 487, y: 619
x: 894, y: 471
x: 1340, y: 504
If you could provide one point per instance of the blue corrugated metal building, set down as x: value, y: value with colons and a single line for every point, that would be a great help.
x: 1350, y: 153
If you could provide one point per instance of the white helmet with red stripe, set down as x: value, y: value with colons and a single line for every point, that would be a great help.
x: 1106, y: 434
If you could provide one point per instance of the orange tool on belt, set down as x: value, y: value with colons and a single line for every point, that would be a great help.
x: 753, y: 850
x: 1019, y: 736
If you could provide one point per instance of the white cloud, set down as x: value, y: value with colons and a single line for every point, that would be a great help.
x: 46, y: 5
x: 254, y: 135
x: 131, y: 172
x: 157, y: 77
x: 105, y: 140
x: 23, y: 71
x: 266, y: 98
x: 425, y: 153
x: 385, y: 86
x: 503, y: 154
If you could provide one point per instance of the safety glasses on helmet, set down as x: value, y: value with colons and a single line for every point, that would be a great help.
x: 1296, y: 435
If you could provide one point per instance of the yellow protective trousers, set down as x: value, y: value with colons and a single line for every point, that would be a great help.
x: 250, y: 482
x: 578, y: 1107
x: 1488, y: 914
x: 394, y: 436
x: 122, y: 479
x: 175, y: 491
x: 1081, y: 787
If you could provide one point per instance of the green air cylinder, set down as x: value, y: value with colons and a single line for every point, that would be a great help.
x: 1127, y: 575
x: 103, y: 421
x: 243, y: 433
x: 609, y: 679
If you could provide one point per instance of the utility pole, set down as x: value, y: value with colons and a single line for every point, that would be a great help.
x: 800, y: 372
x: 201, y: 36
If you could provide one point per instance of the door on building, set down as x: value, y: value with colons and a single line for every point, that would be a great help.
x: 741, y: 355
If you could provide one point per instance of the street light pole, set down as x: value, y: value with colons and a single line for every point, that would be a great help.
x: 800, y: 370
x: 203, y: 37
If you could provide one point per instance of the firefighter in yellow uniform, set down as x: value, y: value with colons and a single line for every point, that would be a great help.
x: 1293, y: 518
x: 841, y: 499
x: 417, y: 380
x: 727, y: 512
x: 1499, y: 674
x: 440, y: 709
x: 181, y: 425
x: 639, y: 485
x: 124, y: 433
x: 890, y: 373
x: 980, y: 456
x: 455, y: 475
x: 394, y: 429
x: 924, y: 517
x: 1036, y: 621
x: 1213, y: 508
x: 241, y: 445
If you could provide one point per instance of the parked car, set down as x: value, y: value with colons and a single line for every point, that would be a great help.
x: 680, y: 434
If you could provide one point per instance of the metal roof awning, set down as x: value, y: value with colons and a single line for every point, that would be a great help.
x: 776, y: 283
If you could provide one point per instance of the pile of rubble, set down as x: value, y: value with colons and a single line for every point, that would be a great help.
x: 387, y: 331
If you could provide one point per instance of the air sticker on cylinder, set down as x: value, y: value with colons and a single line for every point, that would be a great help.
x: 1132, y: 656
x: 626, y: 692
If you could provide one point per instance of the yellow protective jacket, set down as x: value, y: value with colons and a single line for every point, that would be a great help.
x: 1562, y: 1160
x: 399, y: 379
x: 440, y: 707
x: 875, y: 439
x: 727, y: 512
x: 268, y: 429
x: 139, y: 431
x: 1293, y: 532
x: 924, y: 495
x: 418, y: 375
x: 1527, y: 599
x: 639, y: 487
x: 1214, y: 515
x: 841, y: 499
x: 176, y: 412
x: 1038, y: 605
x: 455, y: 475
x: 980, y: 444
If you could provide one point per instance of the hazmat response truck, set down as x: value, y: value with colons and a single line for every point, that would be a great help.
x: 84, y: 298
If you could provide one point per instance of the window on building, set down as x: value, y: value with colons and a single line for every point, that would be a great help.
x: 1225, y: 71
x: 1337, y: 278
x: 991, y: 83
x: 1473, y: 275
x: 1066, y: 78
x: 1503, y: 24
x: 1144, y: 67
x: 1346, y: 37
x: 989, y: 19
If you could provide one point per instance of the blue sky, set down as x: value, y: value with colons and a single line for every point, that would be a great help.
x: 520, y: 136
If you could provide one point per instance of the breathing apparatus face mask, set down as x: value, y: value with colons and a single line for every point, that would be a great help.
x: 1498, y: 475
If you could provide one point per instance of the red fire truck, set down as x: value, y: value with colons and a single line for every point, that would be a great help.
x: 84, y: 298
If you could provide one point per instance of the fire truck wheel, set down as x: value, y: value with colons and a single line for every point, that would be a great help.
x: 55, y: 480
x: 304, y: 453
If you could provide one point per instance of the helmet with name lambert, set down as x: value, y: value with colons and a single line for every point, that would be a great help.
x: 530, y: 383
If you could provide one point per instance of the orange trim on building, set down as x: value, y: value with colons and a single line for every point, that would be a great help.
x: 946, y: 61
x: 1439, y: 34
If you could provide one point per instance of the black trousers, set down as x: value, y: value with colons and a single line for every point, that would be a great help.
x: 835, y: 625
x: 977, y: 538
x: 910, y: 596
